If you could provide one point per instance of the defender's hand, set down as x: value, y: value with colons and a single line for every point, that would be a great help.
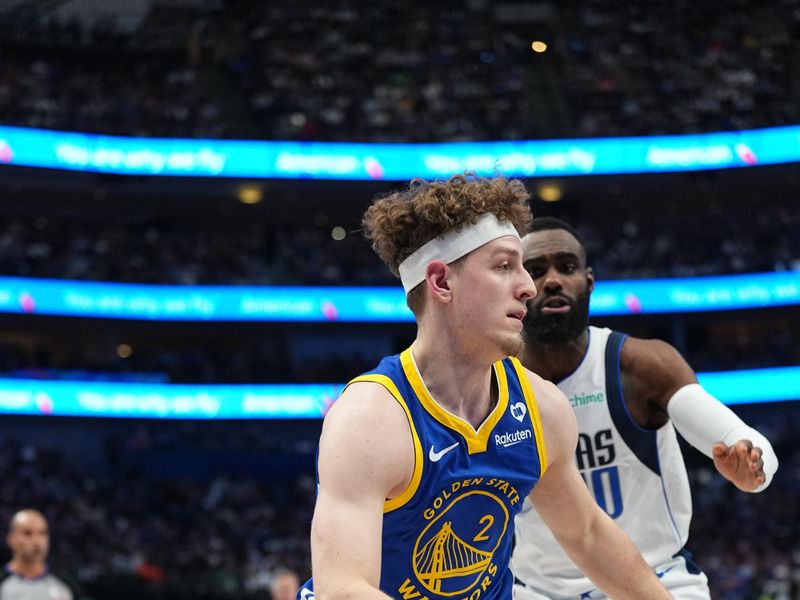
x: 740, y: 464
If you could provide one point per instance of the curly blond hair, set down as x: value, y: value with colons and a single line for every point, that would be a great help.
x: 400, y: 222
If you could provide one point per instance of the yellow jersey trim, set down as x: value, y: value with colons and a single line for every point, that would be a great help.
x: 533, y: 409
x: 476, y: 440
x: 413, y: 485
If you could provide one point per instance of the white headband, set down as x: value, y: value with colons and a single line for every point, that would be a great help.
x: 452, y: 246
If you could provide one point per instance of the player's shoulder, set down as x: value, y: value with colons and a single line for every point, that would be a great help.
x: 366, y: 446
x: 648, y: 355
x: 366, y: 398
x: 546, y: 392
x: 554, y: 408
x: 558, y: 419
x: 653, y: 369
x: 366, y: 411
x: 637, y: 344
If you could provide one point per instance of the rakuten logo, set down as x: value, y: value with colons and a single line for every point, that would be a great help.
x: 512, y: 438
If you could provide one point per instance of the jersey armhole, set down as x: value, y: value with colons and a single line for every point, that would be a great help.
x: 413, y: 485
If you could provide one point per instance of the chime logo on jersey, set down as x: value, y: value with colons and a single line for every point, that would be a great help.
x: 580, y: 399
x: 453, y: 554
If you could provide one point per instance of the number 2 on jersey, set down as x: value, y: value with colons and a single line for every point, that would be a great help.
x: 482, y: 537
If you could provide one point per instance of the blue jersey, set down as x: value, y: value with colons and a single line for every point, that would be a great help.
x: 449, y: 534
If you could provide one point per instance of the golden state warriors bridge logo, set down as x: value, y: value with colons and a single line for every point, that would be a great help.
x: 453, y: 554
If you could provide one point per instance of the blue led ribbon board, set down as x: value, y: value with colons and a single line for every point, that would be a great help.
x: 165, y: 401
x: 350, y: 161
x: 365, y: 304
x: 287, y: 401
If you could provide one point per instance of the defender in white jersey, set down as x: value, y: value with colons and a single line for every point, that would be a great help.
x: 627, y: 394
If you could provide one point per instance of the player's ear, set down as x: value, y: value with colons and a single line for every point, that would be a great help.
x: 437, y: 278
x: 589, y: 280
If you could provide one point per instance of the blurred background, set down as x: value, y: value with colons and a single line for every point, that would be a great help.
x: 161, y: 483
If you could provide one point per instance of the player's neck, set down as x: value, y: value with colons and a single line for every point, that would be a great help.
x: 28, y: 570
x: 555, y: 361
x: 462, y: 386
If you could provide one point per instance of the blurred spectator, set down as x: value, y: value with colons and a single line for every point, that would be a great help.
x: 284, y: 584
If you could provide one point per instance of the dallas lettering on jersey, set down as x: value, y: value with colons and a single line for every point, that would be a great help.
x: 464, y: 526
x: 595, y: 451
x: 594, y: 456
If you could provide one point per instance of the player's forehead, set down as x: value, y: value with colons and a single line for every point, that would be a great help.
x: 550, y: 243
x: 507, y: 248
x: 507, y: 245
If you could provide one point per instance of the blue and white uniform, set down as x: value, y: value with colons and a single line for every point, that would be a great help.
x: 449, y: 534
x: 636, y: 475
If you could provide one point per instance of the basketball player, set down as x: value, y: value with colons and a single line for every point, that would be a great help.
x: 424, y: 461
x: 629, y: 396
x: 27, y: 577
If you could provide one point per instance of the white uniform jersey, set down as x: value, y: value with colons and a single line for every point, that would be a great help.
x: 637, y: 476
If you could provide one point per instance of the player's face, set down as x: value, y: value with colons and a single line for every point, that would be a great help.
x: 492, y: 288
x: 557, y: 263
x: 29, y: 538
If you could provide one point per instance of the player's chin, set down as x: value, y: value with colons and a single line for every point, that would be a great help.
x: 512, y: 345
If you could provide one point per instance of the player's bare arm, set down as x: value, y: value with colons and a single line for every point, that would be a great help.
x: 652, y: 371
x: 660, y: 385
x: 366, y: 455
x: 593, y: 541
